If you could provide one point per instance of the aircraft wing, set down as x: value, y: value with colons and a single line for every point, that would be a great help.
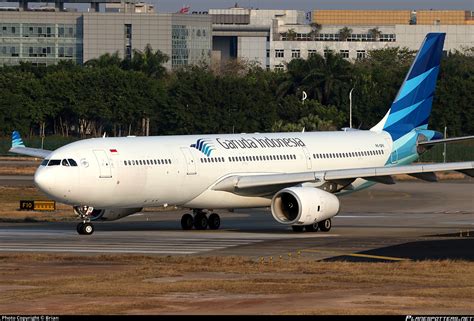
x: 18, y: 147
x: 268, y: 183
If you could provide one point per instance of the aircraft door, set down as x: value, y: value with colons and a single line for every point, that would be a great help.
x: 393, y: 153
x: 308, y: 158
x: 104, y: 164
x: 394, y: 157
x: 190, y: 163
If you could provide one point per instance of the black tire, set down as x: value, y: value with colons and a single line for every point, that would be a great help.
x: 200, y: 221
x: 187, y: 222
x: 325, y: 225
x: 87, y: 229
x: 311, y: 227
x: 214, y: 221
x: 297, y: 228
x: 79, y: 228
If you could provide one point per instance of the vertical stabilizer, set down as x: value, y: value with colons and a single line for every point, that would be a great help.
x: 411, y: 108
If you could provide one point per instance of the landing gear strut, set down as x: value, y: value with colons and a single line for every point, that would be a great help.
x: 84, y: 213
x: 200, y: 221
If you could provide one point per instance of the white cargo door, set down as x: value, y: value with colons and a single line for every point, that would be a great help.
x: 104, y: 164
x: 190, y: 163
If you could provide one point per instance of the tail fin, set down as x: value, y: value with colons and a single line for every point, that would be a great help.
x: 412, y: 107
x: 16, y: 140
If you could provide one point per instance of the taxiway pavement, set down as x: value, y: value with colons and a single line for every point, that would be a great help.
x: 409, y: 220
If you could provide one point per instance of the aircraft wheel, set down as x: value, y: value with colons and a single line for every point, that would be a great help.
x: 79, y: 228
x: 311, y: 227
x: 297, y: 228
x: 325, y: 225
x: 200, y: 221
x: 87, y: 229
x: 214, y: 221
x: 187, y: 221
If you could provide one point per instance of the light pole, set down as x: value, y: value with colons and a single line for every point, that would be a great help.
x: 350, y: 107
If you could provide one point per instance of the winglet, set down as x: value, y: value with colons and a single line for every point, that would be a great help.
x: 16, y: 140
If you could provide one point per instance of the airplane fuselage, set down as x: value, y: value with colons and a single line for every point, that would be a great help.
x: 132, y: 172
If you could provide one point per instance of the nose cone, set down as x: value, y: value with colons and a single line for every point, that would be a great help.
x: 45, y: 180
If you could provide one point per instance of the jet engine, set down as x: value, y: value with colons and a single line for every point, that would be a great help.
x: 303, y: 205
x: 112, y: 214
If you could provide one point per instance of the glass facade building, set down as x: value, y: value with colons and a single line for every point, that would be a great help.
x: 45, y: 38
x: 190, y: 44
x: 41, y: 43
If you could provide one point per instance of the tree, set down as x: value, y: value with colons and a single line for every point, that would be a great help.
x: 148, y: 61
x: 290, y: 35
x: 330, y: 77
x: 375, y: 33
x: 105, y: 60
x: 345, y: 33
x: 315, y: 30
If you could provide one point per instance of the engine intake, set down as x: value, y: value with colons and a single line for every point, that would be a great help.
x: 303, y: 205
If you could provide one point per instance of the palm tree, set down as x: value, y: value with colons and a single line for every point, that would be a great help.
x: 105, y: 60
x: 315, y: 30
x: 344, y: 33
x: 290, y: 35
x: 375, y: 33
x: 149, y: 62
x: 327, y: 75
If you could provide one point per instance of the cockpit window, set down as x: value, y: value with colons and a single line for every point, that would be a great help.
x: 44, y: 162
x: 65, y: 163
x: 72, y: 162
x: 54, y: 162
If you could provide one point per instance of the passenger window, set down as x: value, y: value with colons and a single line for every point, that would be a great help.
x: 125, y: 163
x: 65, y: 163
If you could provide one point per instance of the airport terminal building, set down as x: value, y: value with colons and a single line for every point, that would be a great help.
x: 274, y: 37
x: 45, y: 36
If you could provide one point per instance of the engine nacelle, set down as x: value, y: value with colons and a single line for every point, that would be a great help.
x: 112, y: 214
x: 303, y: 205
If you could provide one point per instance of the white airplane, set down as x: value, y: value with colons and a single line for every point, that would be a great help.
x: 300, y: 175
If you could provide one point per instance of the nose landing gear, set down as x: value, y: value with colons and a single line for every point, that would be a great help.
x: 84, y: 213
x: 200, y: 221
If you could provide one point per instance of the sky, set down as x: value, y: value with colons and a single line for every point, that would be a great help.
x: 308, y: 5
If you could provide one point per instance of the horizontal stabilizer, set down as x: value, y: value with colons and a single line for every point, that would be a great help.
x: 445, y: 140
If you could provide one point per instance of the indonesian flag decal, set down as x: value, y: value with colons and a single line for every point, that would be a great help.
x: 113, y: 151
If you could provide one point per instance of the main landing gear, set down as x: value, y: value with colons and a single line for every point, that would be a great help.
x: 200, y: 221
x: 84, y: 213
x: 324, y: 226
